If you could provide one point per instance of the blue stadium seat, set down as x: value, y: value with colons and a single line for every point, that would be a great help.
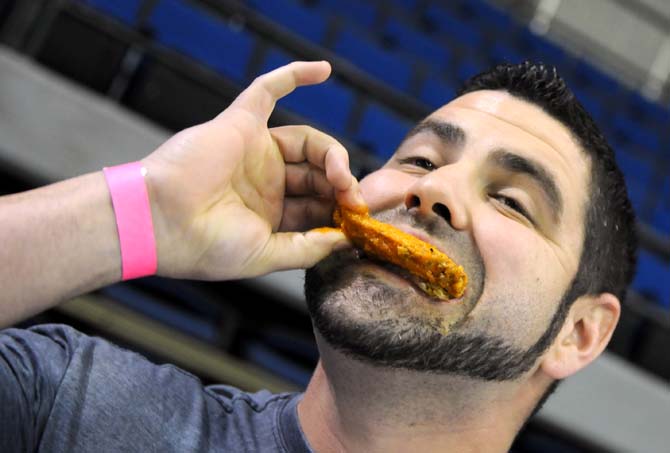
x: 437, y: 91
x: 381, y: 131
x: 459, y: 32
x: 652, y: 278
x: 262, y: 355
x: 594, y: 105
x: 637, y: 194
x: 274, y: 59
x: 417, y: 43
x: 632, y: 166
x: 408, y: 6
x: 481, y: 14
x: 203, y: 37
x: 638, y: 173
x: 489, y: 16
x: 307, y: 22
x: 636, y: 133
x: 646, y: 113
x: 469, y: 66
x: 589, y: 78
x: 505, y: 52
x: 362, y: 13
x: 123, y: 10
x: 598, y: 92
x: 538, y: 49
x: 329, y: 104
x: 384, y: 64
x: 661, y: 217
x: 206, y: 329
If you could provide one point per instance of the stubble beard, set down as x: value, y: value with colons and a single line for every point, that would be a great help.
x: 364, y: 316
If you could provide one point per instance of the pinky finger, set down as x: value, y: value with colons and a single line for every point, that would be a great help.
x: 300, y: 250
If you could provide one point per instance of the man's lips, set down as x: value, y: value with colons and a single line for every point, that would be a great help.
x: 420, y: 235
x: 397, y: 271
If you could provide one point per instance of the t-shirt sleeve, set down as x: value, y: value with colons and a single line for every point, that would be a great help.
x: 32, y: 365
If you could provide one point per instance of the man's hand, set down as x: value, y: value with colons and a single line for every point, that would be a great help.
x: 230, y: 197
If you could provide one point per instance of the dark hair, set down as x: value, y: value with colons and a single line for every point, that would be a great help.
x: 609, y: 253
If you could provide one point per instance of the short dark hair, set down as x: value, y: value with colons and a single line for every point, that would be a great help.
x: 609, y: 253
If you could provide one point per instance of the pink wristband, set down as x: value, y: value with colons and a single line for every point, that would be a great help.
x: 133, y: 219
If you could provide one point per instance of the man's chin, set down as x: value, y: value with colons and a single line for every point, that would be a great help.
x: 379, y: 292
x: 368, y: 314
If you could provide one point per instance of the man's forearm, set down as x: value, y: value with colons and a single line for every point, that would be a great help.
x: 56, y: 242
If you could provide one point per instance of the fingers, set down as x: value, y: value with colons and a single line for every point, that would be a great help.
x: 303, y: 213
x: 260, y: 97
x: 305, y: 144
x: 350, y: 197
x: 307, y: 179
x: 301, y: 250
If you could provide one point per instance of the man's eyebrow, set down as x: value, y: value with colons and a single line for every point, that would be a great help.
x: 448, y: 133
x: 518, y: 164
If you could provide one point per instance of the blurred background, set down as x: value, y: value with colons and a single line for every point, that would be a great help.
x: 89, y: 83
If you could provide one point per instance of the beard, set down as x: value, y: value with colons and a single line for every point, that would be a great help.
x: 371, y: 316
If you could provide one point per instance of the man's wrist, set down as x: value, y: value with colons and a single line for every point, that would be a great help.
x: 132, y: 211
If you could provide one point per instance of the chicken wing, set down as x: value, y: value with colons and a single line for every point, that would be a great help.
x: 439, y: 276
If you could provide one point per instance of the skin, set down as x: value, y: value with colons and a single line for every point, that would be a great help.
x: 529, y: 265
x: 231, y: 199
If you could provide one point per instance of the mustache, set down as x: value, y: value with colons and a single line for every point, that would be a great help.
x: 434, y: 226
x: 459, y: 245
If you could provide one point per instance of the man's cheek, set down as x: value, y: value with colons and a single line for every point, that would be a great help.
x: 385, y: 188
x: 508, y: 253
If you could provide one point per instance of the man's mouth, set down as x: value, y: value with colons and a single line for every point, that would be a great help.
x: 416, y: 283
x: 436, y: 273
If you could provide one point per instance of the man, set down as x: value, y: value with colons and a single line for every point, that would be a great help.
x: 512, y: 179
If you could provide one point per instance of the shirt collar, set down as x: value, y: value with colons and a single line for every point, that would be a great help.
x: 290, y: 430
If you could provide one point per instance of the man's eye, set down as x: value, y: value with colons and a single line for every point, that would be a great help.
x: 419, y: 162
x: 513, y: 204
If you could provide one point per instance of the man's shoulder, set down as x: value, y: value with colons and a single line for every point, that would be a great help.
x: 108, y: 398
x: 258, y: 402
x: 61, y: 335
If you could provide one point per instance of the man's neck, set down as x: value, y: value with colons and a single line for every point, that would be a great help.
x: 350, y: 406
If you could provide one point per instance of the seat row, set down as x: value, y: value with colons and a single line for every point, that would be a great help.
x: 225, y: 45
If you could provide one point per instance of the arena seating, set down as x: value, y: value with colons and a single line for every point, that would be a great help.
x: 180, y: 62
x: 328, y: 105
x: 423, y: 50
x: 202, y: 37
x: 386, y: 65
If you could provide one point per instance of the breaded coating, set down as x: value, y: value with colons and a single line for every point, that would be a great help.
x: 440, y: 276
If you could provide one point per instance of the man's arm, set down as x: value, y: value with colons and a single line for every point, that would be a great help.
x: 57, y: 241
x: 229, y: 198
x: 32, y: 365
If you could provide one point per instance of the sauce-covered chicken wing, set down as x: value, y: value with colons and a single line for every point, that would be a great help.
x: 439, y: 276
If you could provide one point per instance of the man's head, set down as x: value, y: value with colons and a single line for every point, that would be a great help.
x: 513, y: 180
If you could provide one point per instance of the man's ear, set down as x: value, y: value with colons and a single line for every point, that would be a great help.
x: 586, y: 331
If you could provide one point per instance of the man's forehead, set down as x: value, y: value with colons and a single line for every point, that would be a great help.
x: 501, y: 119
x: 507, y: 108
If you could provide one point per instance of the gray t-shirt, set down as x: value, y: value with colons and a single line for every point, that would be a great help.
x: 63, y: 391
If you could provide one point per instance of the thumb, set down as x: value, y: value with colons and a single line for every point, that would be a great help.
x: 301, y: 250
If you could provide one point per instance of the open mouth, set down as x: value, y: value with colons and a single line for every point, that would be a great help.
x: 437, y: 275
x: 419, y: 285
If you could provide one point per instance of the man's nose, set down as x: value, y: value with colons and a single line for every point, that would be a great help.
x: 438, y: 193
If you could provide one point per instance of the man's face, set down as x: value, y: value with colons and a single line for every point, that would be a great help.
x: 499, y: 186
